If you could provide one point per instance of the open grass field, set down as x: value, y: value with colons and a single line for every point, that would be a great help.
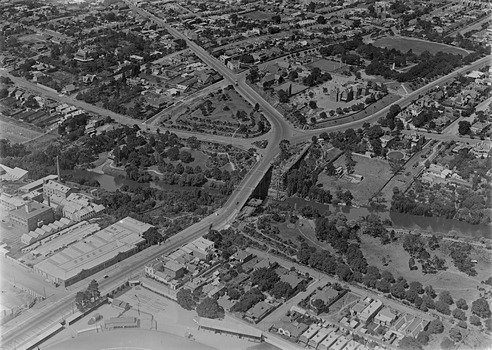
x: 417, y: 46
x: 375, y: 172
x: 16, y: 133
x: 327, y: 65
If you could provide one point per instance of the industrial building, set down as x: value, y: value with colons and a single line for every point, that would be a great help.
x: 31, y: 216
x: 36, y: 185
x: 9, y: 174
x: 53, y: 190
x: 44, y: 231
x: 241, y: 331
x: 94, y: 253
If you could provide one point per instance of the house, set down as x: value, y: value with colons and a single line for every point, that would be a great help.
x: 242, y: 256
x: 88, y: 78
x: 386, y: 317
x: 69, y: 89
x: 328, y: 341
x: 316, y: 340
x: 247, y: 267
x: 370, y: 311
x: 290, y: 330
x: 234, y: 64
x: 309, y: 333
x: 259, y: 311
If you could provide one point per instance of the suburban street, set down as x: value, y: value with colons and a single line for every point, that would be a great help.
x: 21, y: 331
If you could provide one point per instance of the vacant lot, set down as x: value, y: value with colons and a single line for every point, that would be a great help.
x: 375, y: 173
x: 16, y: 133
x: 417, y: 46
x: 327, y: 65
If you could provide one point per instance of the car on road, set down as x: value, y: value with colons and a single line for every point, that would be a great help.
x: 105, y: 276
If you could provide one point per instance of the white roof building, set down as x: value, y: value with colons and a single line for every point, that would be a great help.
x: 9, y: 174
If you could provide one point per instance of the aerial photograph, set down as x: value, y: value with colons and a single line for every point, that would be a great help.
x: 245, y: 174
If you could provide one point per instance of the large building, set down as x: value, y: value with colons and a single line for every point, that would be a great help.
x: 78, y: 207
x: 31, y: 216
x: 94, y: 253
x: 36, y: 185
x: 53, y: 189
x: 9, y: 174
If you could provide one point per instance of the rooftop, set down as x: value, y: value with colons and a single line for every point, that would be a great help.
x: 35, y: 209
x: 94, y: 250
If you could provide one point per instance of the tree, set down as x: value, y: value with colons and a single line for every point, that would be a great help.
x: 480, y: 307
x: 93, y: 290
x: 464, y: 127
x: 152, y: 236
x: 430, y: 291
x: 185, y: 299
x: 80, y: 301
x: 435, y: 327
x: 409, y: 343
x: 319, y: 305
x: 281, y: 290
x: 455, y: 334
x: 446, y: 297
x: 185, y: 157
x: 475, y: 320
x: 461, y: 303
x: 442, y: 307
x: 210, y: 308
x: 459, y: 314
x: 265, y: 278
x: 423, y: 338
x: 447, y: 344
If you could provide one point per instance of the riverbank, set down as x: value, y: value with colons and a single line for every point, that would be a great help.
x: 421, y: 224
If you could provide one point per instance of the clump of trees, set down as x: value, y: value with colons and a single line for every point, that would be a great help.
x: 84, y: 299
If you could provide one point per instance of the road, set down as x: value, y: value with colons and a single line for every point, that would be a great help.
x: 448, y: 137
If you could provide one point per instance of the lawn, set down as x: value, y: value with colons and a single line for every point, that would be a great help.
x: 16, y: 133
x: 304, y: 228
x: 375, y: 173
x: 417, y: 46
x: 327, y: 65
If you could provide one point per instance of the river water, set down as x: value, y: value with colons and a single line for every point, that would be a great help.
x: 404, y: 221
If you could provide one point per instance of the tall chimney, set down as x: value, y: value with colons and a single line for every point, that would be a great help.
x: 58, y: 168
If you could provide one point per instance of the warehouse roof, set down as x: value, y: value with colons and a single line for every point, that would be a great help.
x: 94, y: 250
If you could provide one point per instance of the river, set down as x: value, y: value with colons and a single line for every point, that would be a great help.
x: 404, y: 221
